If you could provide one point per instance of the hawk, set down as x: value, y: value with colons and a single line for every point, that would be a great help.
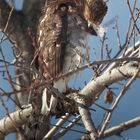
x: 62, y: 39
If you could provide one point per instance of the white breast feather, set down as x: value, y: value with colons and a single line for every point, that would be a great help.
x: 76, y: 52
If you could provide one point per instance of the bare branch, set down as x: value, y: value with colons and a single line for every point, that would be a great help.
x: 133, y: 51
x: 94, y: 88
x: 131, y: 12
x: 127, y: 70
x: 23, y: 38
x: 9, y: 20
x: 15, y: 120
x: 87, y: 121
x: 118, y: 129
x: 122, y: 127
x: 68, y: 127
x: 90, y: 65
x: 4, y: 8
x: 52, y: 131
x: 109, y: 114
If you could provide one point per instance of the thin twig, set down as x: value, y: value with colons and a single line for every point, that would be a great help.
x: 131, y: 12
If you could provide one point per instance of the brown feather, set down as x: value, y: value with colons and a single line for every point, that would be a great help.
x: 53, y: 31
x: 52, y: 39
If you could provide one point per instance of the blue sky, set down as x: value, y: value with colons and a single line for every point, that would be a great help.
x: 128, y: 107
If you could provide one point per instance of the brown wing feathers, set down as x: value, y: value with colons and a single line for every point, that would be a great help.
x: 52, y: 40
x: 53, y: 30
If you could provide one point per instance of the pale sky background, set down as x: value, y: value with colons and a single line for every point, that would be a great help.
x: 128, y: 108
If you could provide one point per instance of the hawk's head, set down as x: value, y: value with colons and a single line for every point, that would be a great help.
x: 93, y: 12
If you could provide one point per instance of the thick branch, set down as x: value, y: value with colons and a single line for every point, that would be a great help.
x: 88, y: 123
x: 96, y: 86
x: 14, y: 120
x: 109, y: 114
x: 17, y: 31
x: 110, y: 77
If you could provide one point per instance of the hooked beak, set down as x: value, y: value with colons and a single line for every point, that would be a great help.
x: 89, y: 24
x: 98, y: 29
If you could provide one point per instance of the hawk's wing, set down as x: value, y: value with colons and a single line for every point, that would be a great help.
x: 52, y: 40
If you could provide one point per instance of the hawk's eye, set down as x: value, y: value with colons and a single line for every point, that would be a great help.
x: 63, y: 7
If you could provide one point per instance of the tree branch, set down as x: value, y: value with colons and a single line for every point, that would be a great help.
x: 118, y: 129
x: 113, y: 74
x: 109, y: 114
x: 87, y: 121
x: 14, y: 120
x: 95, y: 87
x: 4, y: 9
x: 133, y: 51
x: 67, y: 128
x: 122, y: 127
x: 54, y: 129
x: 91, y: 92
x: 15, y: 19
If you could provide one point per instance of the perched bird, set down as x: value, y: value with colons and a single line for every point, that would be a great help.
x: 62, y: 39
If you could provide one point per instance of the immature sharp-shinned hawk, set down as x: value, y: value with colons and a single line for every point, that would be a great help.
x: 62, y: 39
